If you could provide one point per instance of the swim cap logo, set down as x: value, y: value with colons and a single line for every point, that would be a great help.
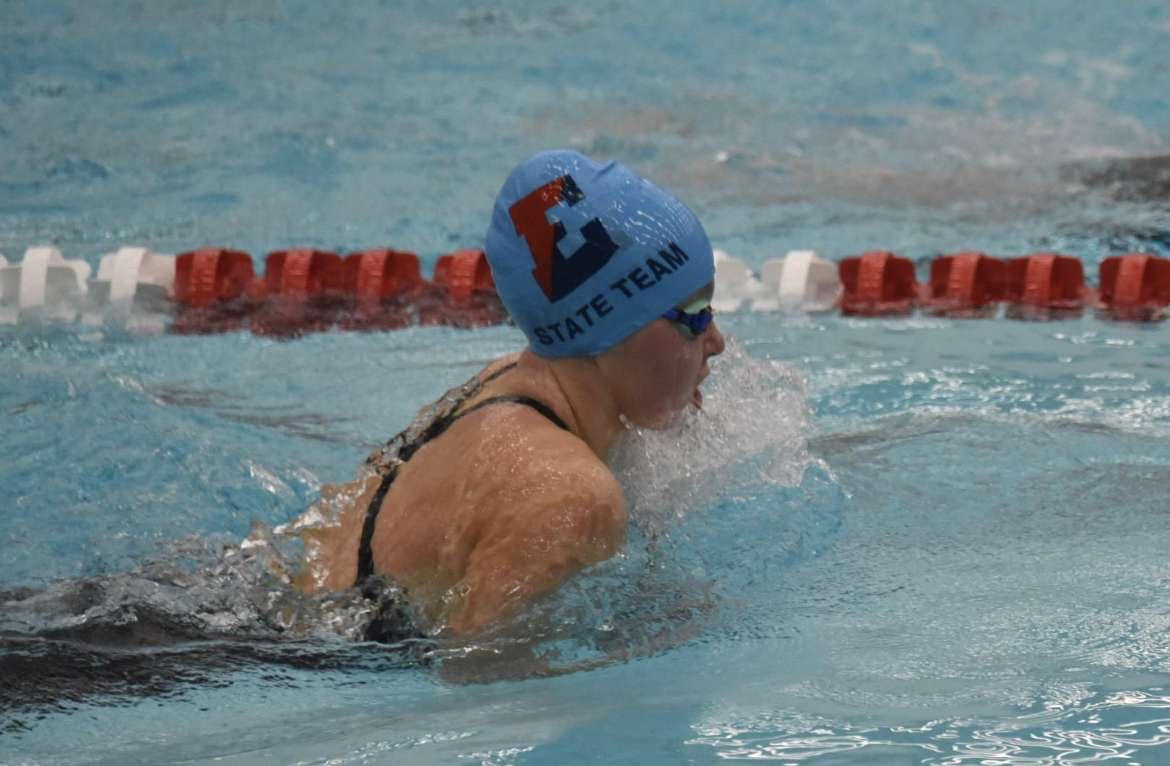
x: 557, y: 275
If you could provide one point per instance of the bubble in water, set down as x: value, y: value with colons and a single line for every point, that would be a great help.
x: 752, y: 428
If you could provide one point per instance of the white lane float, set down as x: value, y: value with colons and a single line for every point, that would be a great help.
x: 800, y: 282
x: 133, y: 287
x: 43, y: 286
x: 735, y: 285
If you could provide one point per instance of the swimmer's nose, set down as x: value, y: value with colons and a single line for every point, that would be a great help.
x: 713, y: 343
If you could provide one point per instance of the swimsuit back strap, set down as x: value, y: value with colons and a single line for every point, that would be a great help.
x: 365, y: 566
x: 365, y: 563
x: 527, y: 401
x: 498, y: 372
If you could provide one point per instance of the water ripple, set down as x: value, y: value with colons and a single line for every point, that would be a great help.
x: 1127, y: 727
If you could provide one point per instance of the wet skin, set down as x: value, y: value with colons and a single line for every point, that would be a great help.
x: 505, y: 506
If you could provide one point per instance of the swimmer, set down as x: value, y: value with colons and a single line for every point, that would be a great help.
x: 499, y: 492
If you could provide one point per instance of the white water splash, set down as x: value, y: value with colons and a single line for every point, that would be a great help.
x: 752, y: 429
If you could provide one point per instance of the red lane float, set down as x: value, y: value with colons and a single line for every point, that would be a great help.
x: 1135, y: 286
x: 383, y: 285
x: 210, y: 287
x: 306, y: 290
x: 301, y: 274
x: 966, y: 284
x: 877, y: 283
x: 1045, y: 286
x: 301, y: 291
x: 464, y: 293
x: 211, y: 275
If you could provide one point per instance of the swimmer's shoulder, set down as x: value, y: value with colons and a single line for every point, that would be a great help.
x: 533, y: 466
x: 548, y: 479
x: 544, y: 518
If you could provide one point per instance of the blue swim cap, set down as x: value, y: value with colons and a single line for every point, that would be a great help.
x: 585, y: 255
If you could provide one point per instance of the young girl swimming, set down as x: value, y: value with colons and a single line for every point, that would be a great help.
x: 499, y: 491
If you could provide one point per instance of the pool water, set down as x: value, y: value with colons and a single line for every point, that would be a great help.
x: 912, y: 540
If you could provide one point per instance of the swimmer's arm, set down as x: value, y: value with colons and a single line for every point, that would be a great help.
x: 535, y: 545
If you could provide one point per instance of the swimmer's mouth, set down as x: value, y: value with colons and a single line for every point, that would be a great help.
x: 697, y: 397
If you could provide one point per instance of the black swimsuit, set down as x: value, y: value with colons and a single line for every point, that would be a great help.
x: 391, y: 622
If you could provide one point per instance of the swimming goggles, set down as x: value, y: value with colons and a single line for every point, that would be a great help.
x: 693, y: 319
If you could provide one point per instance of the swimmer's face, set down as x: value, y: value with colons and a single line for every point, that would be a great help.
x: 656, y: 372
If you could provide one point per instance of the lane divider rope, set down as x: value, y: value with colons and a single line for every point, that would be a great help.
x: 308, y: 290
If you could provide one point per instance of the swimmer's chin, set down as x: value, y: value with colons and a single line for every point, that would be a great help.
x: 664, y: 420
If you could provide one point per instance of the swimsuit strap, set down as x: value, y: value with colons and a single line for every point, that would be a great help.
x: 443, y: 407
x: 365, y: 566
x: 498, y: 372
x: 527, y: 401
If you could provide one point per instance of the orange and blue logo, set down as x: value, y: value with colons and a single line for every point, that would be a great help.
x: 557, y: 274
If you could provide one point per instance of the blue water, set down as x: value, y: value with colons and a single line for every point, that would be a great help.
x: 893, y: 541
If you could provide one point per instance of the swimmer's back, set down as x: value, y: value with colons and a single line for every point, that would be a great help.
x: 503, y: 505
